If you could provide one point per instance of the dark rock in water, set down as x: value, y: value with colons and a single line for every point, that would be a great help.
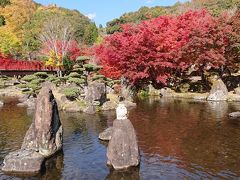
x: 43, y: 138
x: 234, y: 114
x: 122, y: 151
x: 23, y: 161
x: 45, y: 133
x: 96, y: 92
x: 218, y: 92
x: 106, y: 134
x: 130, y: 174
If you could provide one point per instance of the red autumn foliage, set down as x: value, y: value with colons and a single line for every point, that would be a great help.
x: 156, y: 49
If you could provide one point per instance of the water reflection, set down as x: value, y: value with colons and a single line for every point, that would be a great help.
x: 178, y: 139
x: 129, y: 174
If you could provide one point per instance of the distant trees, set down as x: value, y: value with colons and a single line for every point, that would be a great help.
x: 25, y: 20
x: 163, y: 48
x: 215, y: 7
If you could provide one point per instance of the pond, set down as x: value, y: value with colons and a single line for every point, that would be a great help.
x: 178, y: 139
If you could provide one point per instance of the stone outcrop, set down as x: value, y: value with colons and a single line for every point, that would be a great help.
x: 43, y: 138
x: 106, y: 134
x: 45, y: 133
x: 122, y: 151
x: 218, y: 91
x: 96, y: 92
x: 234, y: 114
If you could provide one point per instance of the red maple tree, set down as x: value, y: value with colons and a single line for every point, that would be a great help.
x: 156, y: 49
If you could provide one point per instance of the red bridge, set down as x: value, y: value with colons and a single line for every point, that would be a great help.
x: 20, y: 67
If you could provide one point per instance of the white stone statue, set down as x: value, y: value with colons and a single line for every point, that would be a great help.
x: 121, y: 111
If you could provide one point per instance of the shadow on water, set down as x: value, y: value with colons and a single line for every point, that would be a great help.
x: 177, y: 139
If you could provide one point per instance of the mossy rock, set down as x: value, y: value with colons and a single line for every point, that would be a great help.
x: 77, y: 81
x: 42, y: 75
x: 29, y: 78
x: 92, y: 67
x: 71, y: 93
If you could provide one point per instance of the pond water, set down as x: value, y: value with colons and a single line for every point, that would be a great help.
x: 178, y: 139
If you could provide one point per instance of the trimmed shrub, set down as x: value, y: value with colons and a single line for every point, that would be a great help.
x: 29, y: 78
x: 98, y: 77
x: 77, y: 81
x: 82, y: 58
x: 42, y: 75
x: 71, y: 93
x: 74, y: 75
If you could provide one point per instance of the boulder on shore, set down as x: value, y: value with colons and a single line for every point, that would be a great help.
x: 43, y: 138
x: 122, y: 151
x: 219, y: 91
x: 96, y: 92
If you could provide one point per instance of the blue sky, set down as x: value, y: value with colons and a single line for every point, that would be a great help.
x: 102, y: 11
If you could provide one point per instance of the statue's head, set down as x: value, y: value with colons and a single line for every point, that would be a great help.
x: 121, y: 111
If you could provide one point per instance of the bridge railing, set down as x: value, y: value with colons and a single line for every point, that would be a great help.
x: 20, y: 65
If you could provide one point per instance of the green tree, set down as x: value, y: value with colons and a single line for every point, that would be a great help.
x: 91, y: 34
x: 9, y: 43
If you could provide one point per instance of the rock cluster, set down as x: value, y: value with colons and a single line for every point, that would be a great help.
x: 43, y: 138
